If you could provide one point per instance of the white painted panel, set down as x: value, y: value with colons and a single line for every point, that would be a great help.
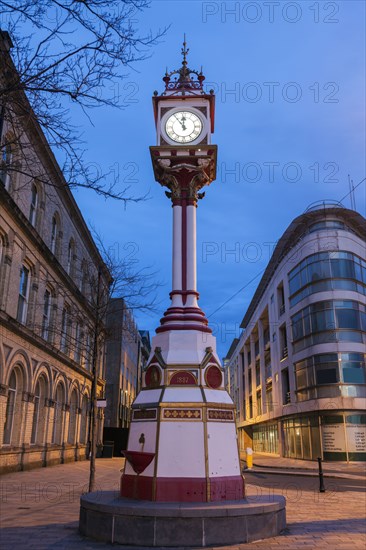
x: 218, y: 396
x: 181, y: 450
x: 223, y: 459
x: 148, y: 396
x: 182, y: 395
x: 149, y: 431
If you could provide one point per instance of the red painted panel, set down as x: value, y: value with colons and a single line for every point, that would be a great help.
x: 213, y: 377
x: 170, y: 489
x: 227, y: 488
x: 137, y: 487
x: 183, y: 378
x: 138, y: 460
x: 153, y: 377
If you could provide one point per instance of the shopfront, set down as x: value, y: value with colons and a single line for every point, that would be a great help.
x: 336, y: 436
x: 265, y: 438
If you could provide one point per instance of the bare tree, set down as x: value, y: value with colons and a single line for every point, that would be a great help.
x: 65, y: 55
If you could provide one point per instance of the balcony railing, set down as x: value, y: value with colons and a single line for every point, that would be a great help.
x: 287, y: 398
x: 284, y: 352
x: 282, y: 309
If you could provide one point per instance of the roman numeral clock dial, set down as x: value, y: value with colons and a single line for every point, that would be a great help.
x: 183, y: 126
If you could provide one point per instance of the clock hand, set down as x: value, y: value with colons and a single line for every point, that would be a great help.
x: 180, y: 122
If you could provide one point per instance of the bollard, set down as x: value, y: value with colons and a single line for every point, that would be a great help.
x: 249, y: 458
x: 321, y: 476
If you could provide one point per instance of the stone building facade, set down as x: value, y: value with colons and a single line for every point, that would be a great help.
x: 49, y: 267
x: 127, y: 352
x: 298, y: 372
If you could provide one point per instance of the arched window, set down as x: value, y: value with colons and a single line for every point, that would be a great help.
x: 84, y: 420
x: 10, y: 409
x: 39, y: 413
x: 5, y: 162
x: 87, y: 349
x: 78, y: 341
x: 65, y: 330
x: 70, y: 257
x: 33, y: 206
x: 46, y: 317
x: 73, y: 417
x: 14, y: 415
x: 58, y: 419
x: 37, y: 393
x: 24, y: 285
x: 54, y: 235
x: 84, y: 278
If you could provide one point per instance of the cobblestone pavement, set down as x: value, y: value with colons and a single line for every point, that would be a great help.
x: 40, y: 508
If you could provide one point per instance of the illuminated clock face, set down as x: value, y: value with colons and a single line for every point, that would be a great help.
x: 183, y: 126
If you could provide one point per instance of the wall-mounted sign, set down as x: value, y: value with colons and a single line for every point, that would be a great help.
x: 102, y: 403
x: 356, y: 438
x: 333, y: 438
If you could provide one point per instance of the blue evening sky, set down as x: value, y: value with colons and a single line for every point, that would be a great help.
x: 290, y: 91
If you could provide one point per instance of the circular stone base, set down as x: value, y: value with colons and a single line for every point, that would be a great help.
x: 107, y: 517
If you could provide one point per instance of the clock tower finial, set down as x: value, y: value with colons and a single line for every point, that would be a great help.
x: 185, y: 80
x: 185, y: 51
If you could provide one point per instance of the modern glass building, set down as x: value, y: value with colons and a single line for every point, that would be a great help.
x: 297, y: 373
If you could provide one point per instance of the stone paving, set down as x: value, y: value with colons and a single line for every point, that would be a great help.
x: 39, y: 509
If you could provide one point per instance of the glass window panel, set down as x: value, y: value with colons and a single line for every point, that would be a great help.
x: 295, y: 283
x: 304, y: 276
x: 342, y: 268
x: 297, y: 330
x: 307, y: 325
x: 323, y: 320
x: 348, y: 318
x: 353, y: 373
x: 349, y: 336
x: 314, y: 271
x: 301, y: 379
x: 356, y: 419
x: 344, y: 284
x: 328, y: 375
x: 353, y: 357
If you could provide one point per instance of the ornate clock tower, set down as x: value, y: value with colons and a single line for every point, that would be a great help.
x: 182, y: 444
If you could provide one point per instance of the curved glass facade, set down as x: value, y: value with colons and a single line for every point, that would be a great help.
x: 328, y: 225
x: 331, y: 375
x: 329, y: 321
x: 331, y: 270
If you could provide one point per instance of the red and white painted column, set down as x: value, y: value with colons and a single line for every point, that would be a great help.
x: 182, y: 443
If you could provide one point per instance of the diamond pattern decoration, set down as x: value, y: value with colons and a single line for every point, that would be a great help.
x: 182, y: 414
x: 218, y: 414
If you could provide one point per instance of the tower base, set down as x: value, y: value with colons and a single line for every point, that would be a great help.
x: 106, y: 517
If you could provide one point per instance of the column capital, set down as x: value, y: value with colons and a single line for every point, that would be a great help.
x: 184, y: 171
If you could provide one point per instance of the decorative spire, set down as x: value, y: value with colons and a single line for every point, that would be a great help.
x: 184, y: 51
x: 186, y: 80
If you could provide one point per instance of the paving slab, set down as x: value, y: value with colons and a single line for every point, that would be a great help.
x: 40, y: 509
